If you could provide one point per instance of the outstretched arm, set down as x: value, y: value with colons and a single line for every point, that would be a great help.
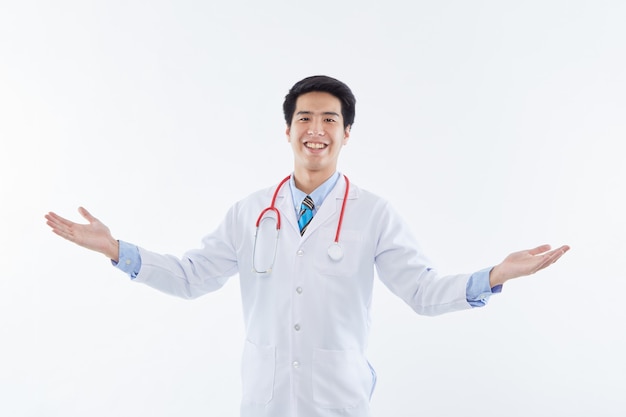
x: 94, y: 236
x: 525, y: 262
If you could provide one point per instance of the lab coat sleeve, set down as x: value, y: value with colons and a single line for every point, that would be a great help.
x: 198, y: 271
x: 408, y: 273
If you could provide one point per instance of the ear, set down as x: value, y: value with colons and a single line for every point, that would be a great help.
x: 346, y: 134
x: 288, y: 133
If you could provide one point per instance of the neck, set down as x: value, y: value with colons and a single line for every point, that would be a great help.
x: 307, y: 181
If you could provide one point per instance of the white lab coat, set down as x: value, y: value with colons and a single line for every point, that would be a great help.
x: 307, y: 322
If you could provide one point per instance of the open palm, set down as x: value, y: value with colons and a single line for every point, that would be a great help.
x: 526, y: 262
x: 94, y: 235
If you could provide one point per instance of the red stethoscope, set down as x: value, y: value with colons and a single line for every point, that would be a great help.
x: 334, y: 250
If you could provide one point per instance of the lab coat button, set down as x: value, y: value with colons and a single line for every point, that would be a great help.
x: 128, y: 261
x: 296, y: 364
x: 300, y: 252
x: 299, y: 290
x: 297, y: 327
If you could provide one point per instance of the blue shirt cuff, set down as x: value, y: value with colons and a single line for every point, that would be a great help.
x: 129, y: 259
x: 478, y: 290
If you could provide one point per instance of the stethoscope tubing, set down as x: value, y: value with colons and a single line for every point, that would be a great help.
x: 334, y: 250
x: 273, y: 208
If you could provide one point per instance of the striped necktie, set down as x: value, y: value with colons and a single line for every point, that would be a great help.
x: 306, y: 214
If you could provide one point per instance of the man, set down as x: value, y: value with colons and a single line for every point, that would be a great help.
x: 306, y: 296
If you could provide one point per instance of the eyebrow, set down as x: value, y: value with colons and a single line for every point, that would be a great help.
x: 326, y: 113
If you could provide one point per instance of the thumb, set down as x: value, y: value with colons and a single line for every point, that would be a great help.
x: 83, y: 212
x: 539, y: 249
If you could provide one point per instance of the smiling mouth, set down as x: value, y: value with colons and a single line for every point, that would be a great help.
x: 315, y: 145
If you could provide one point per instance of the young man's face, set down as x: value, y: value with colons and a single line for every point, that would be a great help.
x: 316, y: 133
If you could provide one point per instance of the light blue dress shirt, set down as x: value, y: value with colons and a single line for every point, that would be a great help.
x: 318, y: 195
x: 478, y: 290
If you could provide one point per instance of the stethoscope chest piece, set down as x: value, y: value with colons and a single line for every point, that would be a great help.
x: 335, y: 252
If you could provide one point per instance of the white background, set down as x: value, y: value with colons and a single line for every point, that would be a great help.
x: 492, y: 126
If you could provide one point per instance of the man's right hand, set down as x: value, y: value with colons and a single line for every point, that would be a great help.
x: 95, y: 235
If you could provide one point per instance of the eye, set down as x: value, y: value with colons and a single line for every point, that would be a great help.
x: 329, y: 120
x: 304, y: 119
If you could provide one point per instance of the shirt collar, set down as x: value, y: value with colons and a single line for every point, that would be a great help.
x: 318, y: 195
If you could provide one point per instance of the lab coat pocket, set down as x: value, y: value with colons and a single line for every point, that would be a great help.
x: 341, y: 378
x: 257, y: 373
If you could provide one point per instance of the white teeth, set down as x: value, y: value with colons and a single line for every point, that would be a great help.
x: 315, y: 145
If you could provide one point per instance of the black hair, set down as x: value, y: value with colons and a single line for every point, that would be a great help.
x: 324, y: 84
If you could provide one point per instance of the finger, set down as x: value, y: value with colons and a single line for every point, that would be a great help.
x: 557, y: 253
x: 64, y: 234
x: 56, y: 220
x: 64, y: 230
x: 552, y: 256
x: 545, y: 262
x: 83, y: 212
x: 539, y: 249
x: 51, y: 216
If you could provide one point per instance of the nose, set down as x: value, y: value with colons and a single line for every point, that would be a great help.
x: 316, y: 129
